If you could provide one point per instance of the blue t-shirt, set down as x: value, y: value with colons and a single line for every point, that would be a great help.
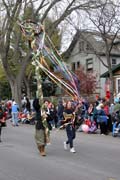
x: 15, y: 108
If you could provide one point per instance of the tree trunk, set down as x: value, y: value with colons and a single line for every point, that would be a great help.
x: 110, y: 74
x: 27, y: 85
x: 28, y: 90
x: 16, y: 81
x: 111, y: 87
x: 16, y: 91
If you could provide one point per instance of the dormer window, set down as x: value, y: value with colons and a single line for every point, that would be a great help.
x: 81, y: 46
x: 88, y: 47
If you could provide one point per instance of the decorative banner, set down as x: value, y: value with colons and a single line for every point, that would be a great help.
x: 46, y: 56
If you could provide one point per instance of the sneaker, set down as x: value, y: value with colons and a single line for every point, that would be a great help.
x: 65, y: 146
x: 72, y: 150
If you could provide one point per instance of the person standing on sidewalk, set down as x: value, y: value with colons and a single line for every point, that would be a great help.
x: 60, y: 109
x: 15, y: 111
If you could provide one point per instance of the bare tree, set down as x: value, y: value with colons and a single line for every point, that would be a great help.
x: 107, y: 24
x: 104, y: 22
x: 11, y: 51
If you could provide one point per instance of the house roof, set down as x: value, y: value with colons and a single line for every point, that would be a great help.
x: 114, y: 69
x: 68, y: 52
x: 93, y: 39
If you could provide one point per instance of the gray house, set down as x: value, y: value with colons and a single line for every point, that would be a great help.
x: 87, y: 49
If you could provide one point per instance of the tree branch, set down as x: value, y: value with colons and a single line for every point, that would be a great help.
x: 42, y: 5
x: 48, y: 9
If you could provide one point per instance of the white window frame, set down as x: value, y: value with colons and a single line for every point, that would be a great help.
x: 113, y: 64
x: 117, y: 79
x: 89, y: 64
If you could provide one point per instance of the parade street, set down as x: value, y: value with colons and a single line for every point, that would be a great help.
x: 97, y: 156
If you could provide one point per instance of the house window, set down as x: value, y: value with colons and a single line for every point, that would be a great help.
x: 89, y: 64
x: 81, y: 46
x: 73, y: 66
x: 118, y: 85
x: 114, y: 62
x: 88, y: 47
x: 78, y: 64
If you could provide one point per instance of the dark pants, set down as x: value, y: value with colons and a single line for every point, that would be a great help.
x: 0, y: 128
x: 70, y: 134
x: 103, y: 128
x: 109, y: 124
x: 95, y: 119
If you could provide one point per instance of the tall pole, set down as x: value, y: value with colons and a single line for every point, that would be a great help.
x: 39, y: 92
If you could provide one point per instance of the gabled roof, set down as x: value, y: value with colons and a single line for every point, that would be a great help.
x: 95, y: 40
x: 67, y: 53
x: 114, y: 70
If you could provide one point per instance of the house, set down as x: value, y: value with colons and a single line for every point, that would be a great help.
x: 87, y: 49
x: 116, y: 78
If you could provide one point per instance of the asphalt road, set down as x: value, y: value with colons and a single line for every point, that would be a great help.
x: 97, y: 156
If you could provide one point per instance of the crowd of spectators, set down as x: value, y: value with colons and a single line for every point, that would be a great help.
x: 99, y: 114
